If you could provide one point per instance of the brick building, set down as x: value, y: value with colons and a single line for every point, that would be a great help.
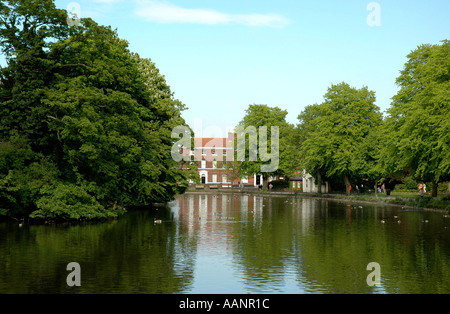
x: 210, y: 154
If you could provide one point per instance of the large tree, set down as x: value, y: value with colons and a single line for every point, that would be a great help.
x: 269, y: 154
x: 418, y: 125
x: 312, y: 152
x: 335, y: 134
x: 97, y: 114
x: 28, y: 30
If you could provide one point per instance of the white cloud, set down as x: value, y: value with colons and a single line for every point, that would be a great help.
x: 163, y: 12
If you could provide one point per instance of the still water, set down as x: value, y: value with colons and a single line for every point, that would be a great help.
x: 210, y: 244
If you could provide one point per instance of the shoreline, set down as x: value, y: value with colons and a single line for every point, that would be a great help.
x: 355, y: 198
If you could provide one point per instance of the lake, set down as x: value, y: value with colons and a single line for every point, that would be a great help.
x: 233, y: 244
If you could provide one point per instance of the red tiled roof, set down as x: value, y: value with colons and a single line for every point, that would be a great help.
x: 210, y: 142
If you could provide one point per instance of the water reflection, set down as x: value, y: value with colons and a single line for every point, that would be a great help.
x: 233, y: 243
x: 294, y: 245
x: 131, y: 255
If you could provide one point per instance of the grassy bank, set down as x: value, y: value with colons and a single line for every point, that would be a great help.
x: 409, y: 199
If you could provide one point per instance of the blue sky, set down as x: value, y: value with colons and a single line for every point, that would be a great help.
x: 220, y: 56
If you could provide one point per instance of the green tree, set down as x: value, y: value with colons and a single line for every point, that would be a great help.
x: 113, y: 122
x: 281, y: 151
x: 335, y: 135
x: 312, y: 153
x: 23, y: 173
x: 419, y: 117
x: 28, y: 30
x: 370, y: 151
x: 98, y: 113
x: 233, y: 170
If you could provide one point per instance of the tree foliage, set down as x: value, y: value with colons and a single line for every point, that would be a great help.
x: 337, y: 135
x: 282, y: 154
x: 95, y: 113
x: 419, y: 117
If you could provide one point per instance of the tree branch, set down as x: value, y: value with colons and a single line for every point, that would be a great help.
x: 55, y: 118
x: 75, y: 65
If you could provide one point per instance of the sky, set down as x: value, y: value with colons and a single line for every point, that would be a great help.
x: 221, y: 56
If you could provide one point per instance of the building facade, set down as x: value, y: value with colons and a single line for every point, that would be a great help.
x: 310, y: 186
x: 211, y: 154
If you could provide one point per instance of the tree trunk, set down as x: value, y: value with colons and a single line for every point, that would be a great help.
x: 376, y: 186
x: 319, y: 182
x: 264, y: 183
x: 434, y: 192
x: 347, y: 184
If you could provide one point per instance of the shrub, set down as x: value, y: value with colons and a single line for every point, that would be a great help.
x: 443, y: 187
x: 401, y: 188
x: 22, y: 175
x: 69, y: 202
x: 410, y: 183
x: 279, y: 184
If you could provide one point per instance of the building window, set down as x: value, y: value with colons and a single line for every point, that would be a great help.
x: 203, y: 166
x: 214, y: 178
x: 214, y: 164
x: 214, y: 152
x: 224, y: 153
x: 224, y: 178
x: 203, y: 152
x: 244, y: 179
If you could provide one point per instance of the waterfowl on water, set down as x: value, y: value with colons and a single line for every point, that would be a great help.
x: 21, y: 221
x: 157, y: 221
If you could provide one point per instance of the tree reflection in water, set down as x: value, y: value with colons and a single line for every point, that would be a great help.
x: 234, y: 243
